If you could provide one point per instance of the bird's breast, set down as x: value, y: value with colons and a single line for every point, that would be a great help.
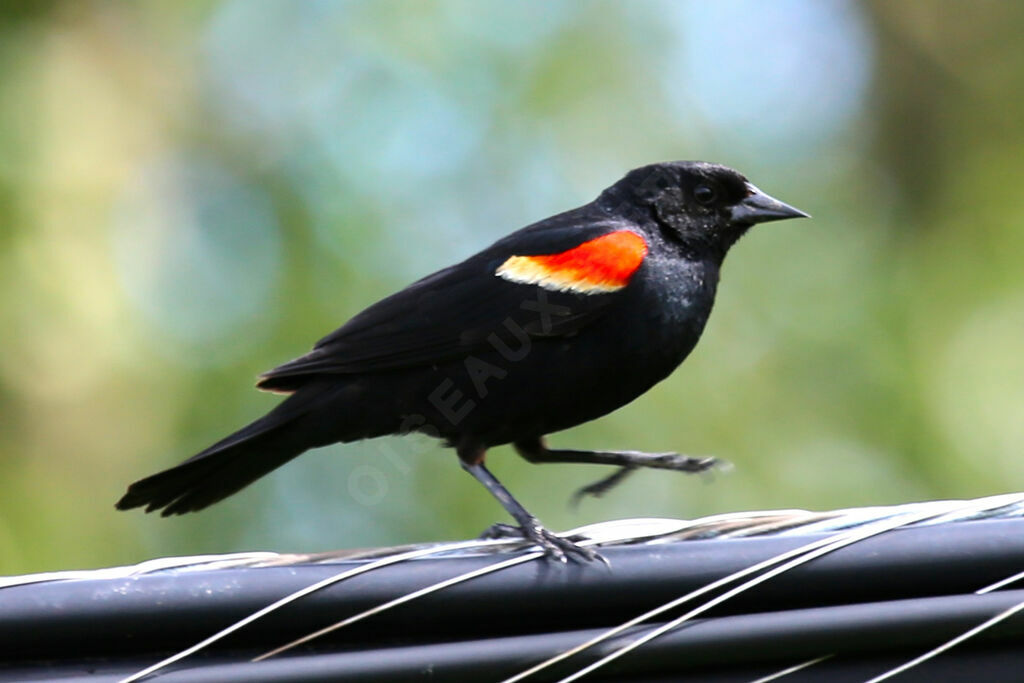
x: 674, y: 299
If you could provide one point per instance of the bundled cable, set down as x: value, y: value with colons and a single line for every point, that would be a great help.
x: 912, y: 592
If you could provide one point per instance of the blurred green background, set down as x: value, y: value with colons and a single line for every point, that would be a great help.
x: 192, y: 192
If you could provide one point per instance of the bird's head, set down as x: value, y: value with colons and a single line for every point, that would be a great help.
x: 699, y: 205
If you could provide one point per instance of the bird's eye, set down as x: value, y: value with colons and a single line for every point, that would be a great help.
x: 704, y: 194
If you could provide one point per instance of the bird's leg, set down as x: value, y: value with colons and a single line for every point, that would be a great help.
x: 535, y: 451
x: 529, y: 526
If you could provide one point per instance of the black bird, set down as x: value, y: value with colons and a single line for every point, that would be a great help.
x: 556, y: 324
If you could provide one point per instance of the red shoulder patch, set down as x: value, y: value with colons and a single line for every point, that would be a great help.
x: 603, y: 264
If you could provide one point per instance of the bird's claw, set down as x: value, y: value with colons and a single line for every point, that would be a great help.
x: 500, y: 530
x: 685, y: 463
x: 554, y: 546
x: 662, y: 461
x: 601, y: 486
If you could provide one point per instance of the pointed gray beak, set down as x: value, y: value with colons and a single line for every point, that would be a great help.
x: 759, y: 207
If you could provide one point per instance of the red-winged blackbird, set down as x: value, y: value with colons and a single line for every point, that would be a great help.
x: 556, y: 324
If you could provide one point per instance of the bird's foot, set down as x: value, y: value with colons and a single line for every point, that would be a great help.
x: 662, y: 461
x: 683, y: 463
x: 554, y: 546
x: 601, y: 486
x: 500, y: 530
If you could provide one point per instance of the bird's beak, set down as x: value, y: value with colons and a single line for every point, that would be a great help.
x: 758, y: 207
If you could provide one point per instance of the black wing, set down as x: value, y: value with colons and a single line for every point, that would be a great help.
x: 453, y: 312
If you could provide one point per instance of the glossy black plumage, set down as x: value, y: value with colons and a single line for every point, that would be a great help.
x: 478, y: 360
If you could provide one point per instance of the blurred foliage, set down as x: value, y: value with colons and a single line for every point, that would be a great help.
x: 193, y: 192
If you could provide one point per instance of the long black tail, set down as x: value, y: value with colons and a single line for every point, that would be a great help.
x: 300, y: 422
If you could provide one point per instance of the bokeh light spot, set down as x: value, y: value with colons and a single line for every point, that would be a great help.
x: 786, y: 75
x: 197, y: 249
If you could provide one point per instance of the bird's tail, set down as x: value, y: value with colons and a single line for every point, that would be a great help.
x: 297, y: 424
